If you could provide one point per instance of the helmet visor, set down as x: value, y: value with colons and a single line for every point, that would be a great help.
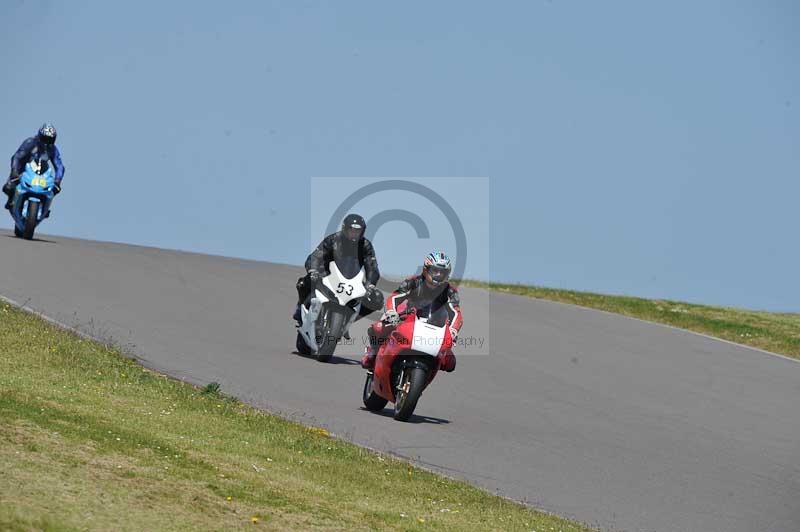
x: 353, y: 233
x: 438, y: 275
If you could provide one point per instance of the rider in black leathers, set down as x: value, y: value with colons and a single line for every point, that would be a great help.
x: 350, y: 241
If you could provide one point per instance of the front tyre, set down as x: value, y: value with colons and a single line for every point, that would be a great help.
x: 30, y: 220
x: 412, y: 382
x: 330, y: 332
x: 372, y: 401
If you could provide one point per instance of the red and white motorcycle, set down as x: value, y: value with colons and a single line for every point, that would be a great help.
x: 407, y: 361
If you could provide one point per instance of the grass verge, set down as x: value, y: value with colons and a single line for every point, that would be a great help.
x: 775, y: 332
x: 91, y: 440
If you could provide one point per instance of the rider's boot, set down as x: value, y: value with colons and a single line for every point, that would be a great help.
x: 448, y: 362
x: 8, y: 190
x: 368, y: 360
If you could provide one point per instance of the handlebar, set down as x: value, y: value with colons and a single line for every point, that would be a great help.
x: 407, y: 311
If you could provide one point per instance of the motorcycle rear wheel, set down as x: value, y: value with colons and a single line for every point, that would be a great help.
x: 372, y: 401
x: 300, y: 345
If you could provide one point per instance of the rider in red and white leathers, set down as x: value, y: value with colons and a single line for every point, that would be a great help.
x: 429, y: 290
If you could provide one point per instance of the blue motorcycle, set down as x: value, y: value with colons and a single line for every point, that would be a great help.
x: 32, y: 197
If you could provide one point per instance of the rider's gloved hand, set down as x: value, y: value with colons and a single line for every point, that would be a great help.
x: 454, y: 333
x: 391, y: 317
x: 314, y: 276
x: 373, y: 299
x: 56, y: 189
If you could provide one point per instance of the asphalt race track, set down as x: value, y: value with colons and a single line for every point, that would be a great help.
x: 615, y: 422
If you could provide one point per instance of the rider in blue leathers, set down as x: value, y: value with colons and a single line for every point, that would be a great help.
x: 44, y: 143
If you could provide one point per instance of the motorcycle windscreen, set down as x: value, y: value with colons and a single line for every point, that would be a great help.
x: 347, y: 262
x: 428, y: 338
x: 433, y: 313
x: 38, y: 176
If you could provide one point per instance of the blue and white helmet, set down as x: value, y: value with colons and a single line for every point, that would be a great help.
x: 436, y: 268
x: 47, y: 133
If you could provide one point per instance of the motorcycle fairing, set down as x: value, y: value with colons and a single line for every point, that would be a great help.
x: 35, y: 185
x: 337, y: 288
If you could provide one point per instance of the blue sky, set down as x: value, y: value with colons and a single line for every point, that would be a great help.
x: 632, y: 147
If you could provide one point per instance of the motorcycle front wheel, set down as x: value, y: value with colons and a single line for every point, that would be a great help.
x: 31, y: 219
x: 330, y: 332
x: 412, y: 381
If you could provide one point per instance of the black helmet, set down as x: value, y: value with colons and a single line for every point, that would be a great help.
x: 353, y: 227
x: 47, y: 133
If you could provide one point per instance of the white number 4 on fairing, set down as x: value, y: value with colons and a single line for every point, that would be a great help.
x: 346, y: 288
